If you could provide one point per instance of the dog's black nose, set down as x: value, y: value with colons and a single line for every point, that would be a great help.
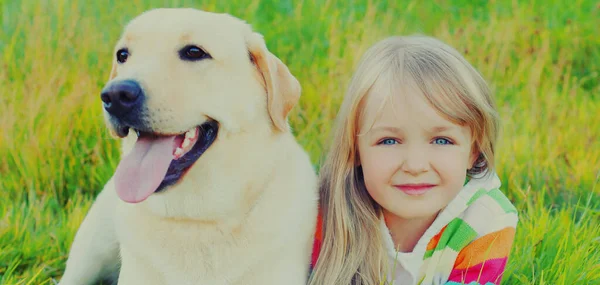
x: 121, y: 97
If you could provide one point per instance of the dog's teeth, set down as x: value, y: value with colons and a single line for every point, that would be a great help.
x: 178, y: 152
x: 186, y: 143
x: 191, y: 133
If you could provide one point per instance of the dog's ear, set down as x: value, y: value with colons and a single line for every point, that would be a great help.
x: 283, y: 89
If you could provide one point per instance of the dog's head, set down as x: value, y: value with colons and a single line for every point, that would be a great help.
x: 181, y: 79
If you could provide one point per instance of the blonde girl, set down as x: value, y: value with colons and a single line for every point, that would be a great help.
x: 417, y: 122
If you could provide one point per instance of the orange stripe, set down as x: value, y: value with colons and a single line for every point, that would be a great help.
x: 318, y: 240
x: 435, y: 239
x: 319, y: 229
x: 490, y: 246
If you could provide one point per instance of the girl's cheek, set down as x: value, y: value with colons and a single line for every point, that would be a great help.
x: 452, y: 159
x: 377, y: 164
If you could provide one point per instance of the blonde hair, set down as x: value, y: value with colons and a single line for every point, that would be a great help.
x: 352, y: 249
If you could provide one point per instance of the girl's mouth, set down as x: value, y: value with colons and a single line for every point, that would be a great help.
x: 415, y: 189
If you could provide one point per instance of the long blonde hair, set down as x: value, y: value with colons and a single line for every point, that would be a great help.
x: 352, y: 248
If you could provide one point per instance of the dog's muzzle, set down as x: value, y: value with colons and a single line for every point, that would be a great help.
x: 123, y: 99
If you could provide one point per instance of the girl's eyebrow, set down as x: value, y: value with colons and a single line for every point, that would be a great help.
x: 387, y: 129
x: 439, y: 129
x: 399, y: 131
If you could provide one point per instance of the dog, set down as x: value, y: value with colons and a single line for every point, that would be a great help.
x: 212, y: 186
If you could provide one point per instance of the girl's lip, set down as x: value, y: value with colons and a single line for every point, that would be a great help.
x: 415, y: 189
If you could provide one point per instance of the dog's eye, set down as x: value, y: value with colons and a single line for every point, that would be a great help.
x: 122, y: 55
x: 193, y: 53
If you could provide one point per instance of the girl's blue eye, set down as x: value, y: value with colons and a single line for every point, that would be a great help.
x: 388, y: 141
x: 442, y: 141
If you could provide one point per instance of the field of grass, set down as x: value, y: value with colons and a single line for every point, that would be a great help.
x: 542, y: 60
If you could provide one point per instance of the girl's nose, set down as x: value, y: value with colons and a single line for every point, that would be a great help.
x: 414, y: 162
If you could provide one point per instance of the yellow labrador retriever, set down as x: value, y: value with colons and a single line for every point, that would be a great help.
x: 212, y: 187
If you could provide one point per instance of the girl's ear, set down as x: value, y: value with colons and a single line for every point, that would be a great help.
x: 474, y: 158
x: 475, y: 155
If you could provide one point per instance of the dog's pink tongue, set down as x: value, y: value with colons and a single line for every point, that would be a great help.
x: 140, y: 172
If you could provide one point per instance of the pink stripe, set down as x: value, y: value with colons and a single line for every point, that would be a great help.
x: 492, y: 272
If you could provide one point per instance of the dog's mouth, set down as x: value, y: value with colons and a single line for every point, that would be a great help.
x: 158, y: 161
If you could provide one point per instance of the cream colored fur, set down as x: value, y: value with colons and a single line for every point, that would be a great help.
x: 245, y: 212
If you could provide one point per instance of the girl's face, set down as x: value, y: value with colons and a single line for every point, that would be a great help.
x: 414, y: 161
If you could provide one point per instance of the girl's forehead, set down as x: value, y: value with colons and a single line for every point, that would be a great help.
x: 393, y: 104
x: 385, y: 98
x: 395, y: 86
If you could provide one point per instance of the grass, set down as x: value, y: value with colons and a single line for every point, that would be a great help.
x: 541, y: 58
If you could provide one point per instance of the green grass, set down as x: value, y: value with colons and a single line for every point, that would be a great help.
x: 542, y: 60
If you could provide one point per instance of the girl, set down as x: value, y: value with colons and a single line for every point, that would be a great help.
x: 416, y: 123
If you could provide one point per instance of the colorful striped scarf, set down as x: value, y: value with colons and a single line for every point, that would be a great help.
x: 474, y: 247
